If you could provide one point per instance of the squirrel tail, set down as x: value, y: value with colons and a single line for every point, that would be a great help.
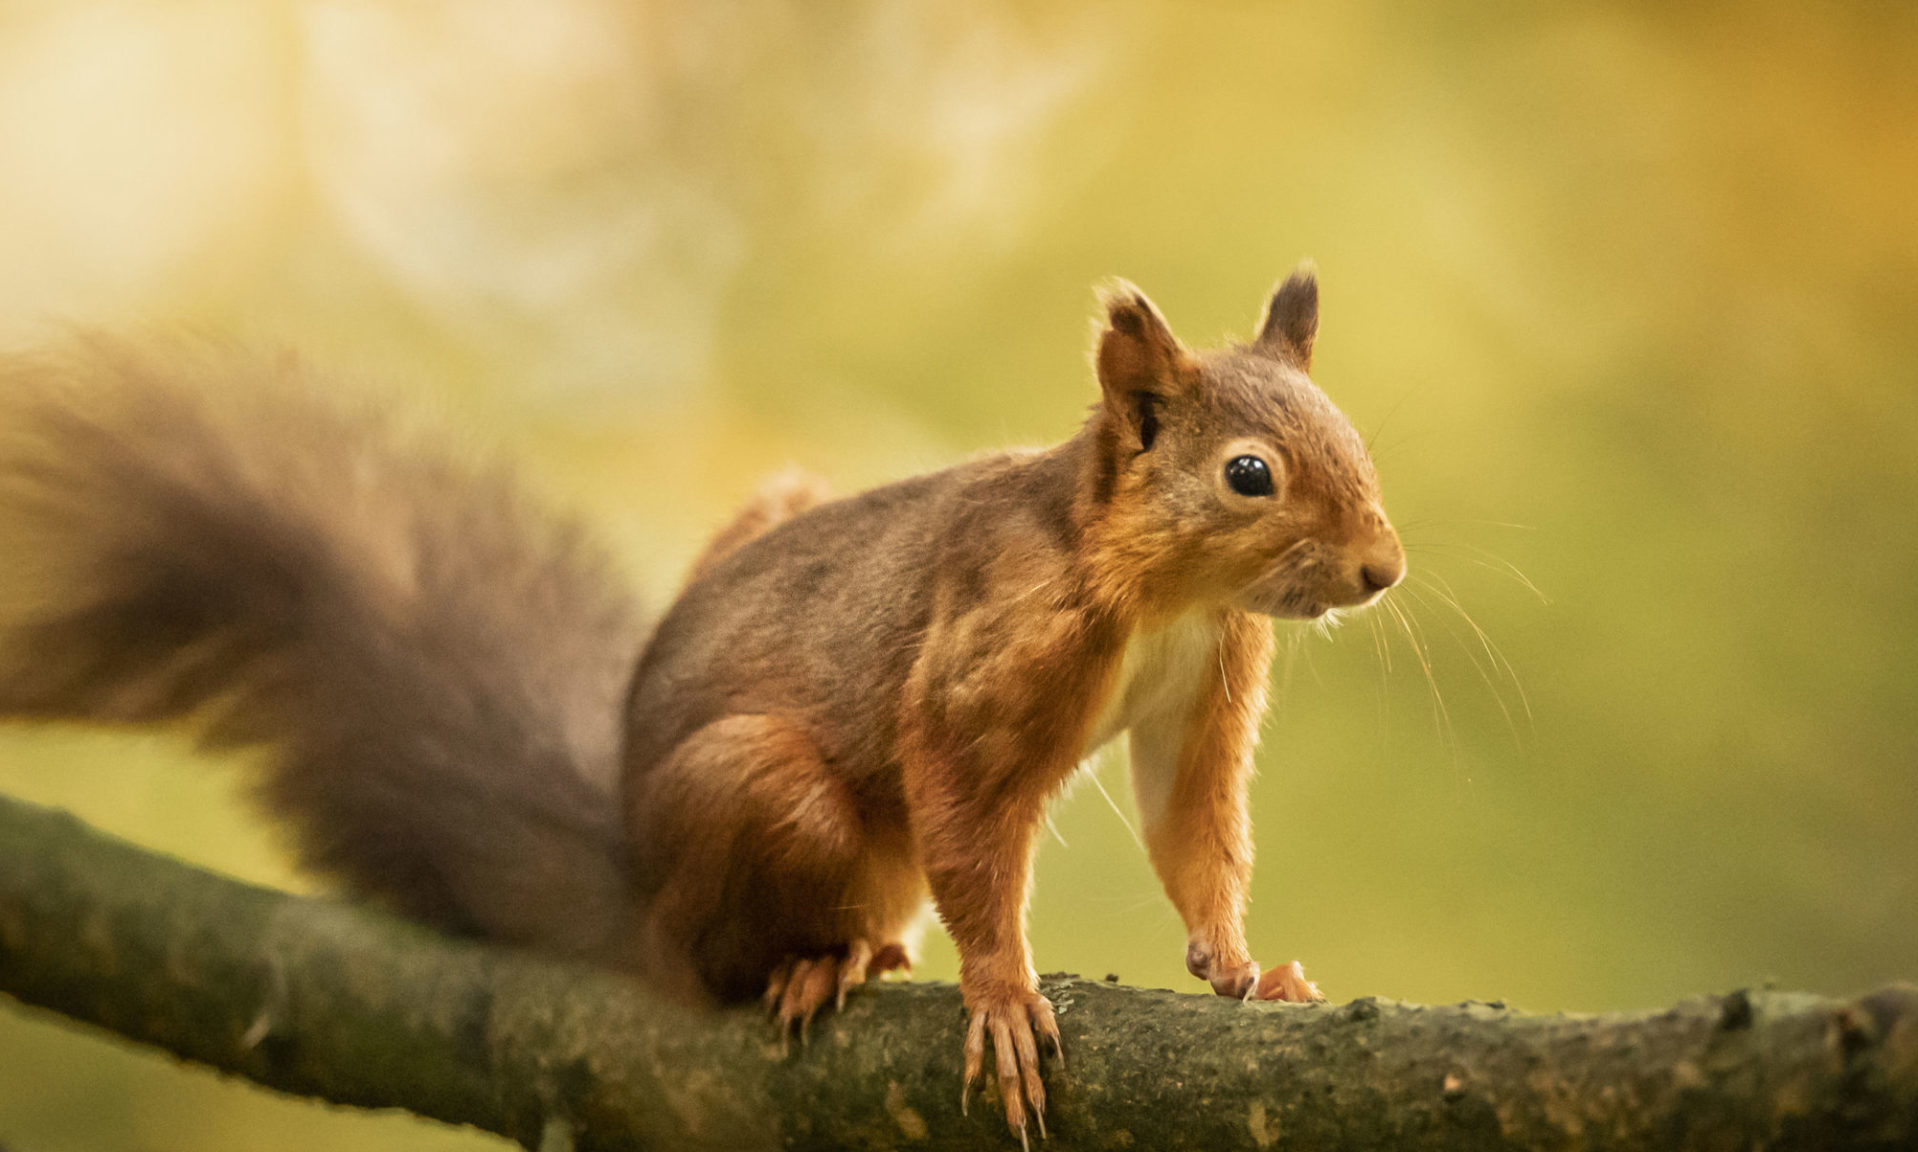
x: 434, y: 670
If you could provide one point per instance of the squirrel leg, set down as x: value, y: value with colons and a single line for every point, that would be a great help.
x: 1191, y: 768
x: 980, y: 873
x: 997, y: 715
x: 768, y: 880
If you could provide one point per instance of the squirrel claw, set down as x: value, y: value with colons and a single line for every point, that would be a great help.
x: 1014, y: 1023
x: 852, y: 971
x: 776, y: 988
x: 802, y: 985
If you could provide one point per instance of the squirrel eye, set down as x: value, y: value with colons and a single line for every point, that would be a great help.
x: 1248, y: 476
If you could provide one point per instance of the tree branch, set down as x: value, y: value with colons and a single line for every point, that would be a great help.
x: 321, y: 999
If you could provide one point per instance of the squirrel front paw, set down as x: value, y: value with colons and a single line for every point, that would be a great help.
x: 1242, y: 980
x: 1016, y: 1019
x: 1234, y: 976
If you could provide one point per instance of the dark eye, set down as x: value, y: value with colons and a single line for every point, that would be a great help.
x: 1248, y: 476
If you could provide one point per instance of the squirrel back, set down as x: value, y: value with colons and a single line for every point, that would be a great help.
x: 432, y: 666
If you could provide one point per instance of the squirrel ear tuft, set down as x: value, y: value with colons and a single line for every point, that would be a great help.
x: 1137, y: 350
x: 1291, y: 320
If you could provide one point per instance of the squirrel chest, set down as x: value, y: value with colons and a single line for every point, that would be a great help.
x: 1159, y: 674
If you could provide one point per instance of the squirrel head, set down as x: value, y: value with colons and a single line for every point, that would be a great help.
x: 1226, y: 476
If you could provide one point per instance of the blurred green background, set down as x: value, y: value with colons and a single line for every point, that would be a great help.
x: 1626, y: 295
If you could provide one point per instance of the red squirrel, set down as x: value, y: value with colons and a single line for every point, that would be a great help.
x: 853, y: 707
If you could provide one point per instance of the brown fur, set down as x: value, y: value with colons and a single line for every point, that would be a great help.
x: 952, y: 647
x: 434, y: 665
x: 853, y: 705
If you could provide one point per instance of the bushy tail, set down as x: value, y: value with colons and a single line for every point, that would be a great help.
x: 435, y: 671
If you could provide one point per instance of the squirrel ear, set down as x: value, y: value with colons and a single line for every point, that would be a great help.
x: 1137, y: 350
x: 1291, y: 320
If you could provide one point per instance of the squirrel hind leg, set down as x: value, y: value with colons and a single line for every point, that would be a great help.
x: 766, y: 875
x: 780, y: 497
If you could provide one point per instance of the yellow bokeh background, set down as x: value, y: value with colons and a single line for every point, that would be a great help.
x: 1625, y: 296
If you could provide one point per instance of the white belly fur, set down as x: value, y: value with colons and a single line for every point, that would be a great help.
x: 1159, y: 674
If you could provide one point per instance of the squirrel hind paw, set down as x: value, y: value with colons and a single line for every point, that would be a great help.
x: 801, y: 985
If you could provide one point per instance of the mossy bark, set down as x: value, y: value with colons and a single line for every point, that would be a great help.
x: 321, y: 999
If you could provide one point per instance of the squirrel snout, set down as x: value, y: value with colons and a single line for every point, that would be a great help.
x: 1378, y: 575
x: 1384, y: 566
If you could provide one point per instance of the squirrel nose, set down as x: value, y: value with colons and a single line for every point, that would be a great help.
x: 1382, y: 571
x: 1378, y: 577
